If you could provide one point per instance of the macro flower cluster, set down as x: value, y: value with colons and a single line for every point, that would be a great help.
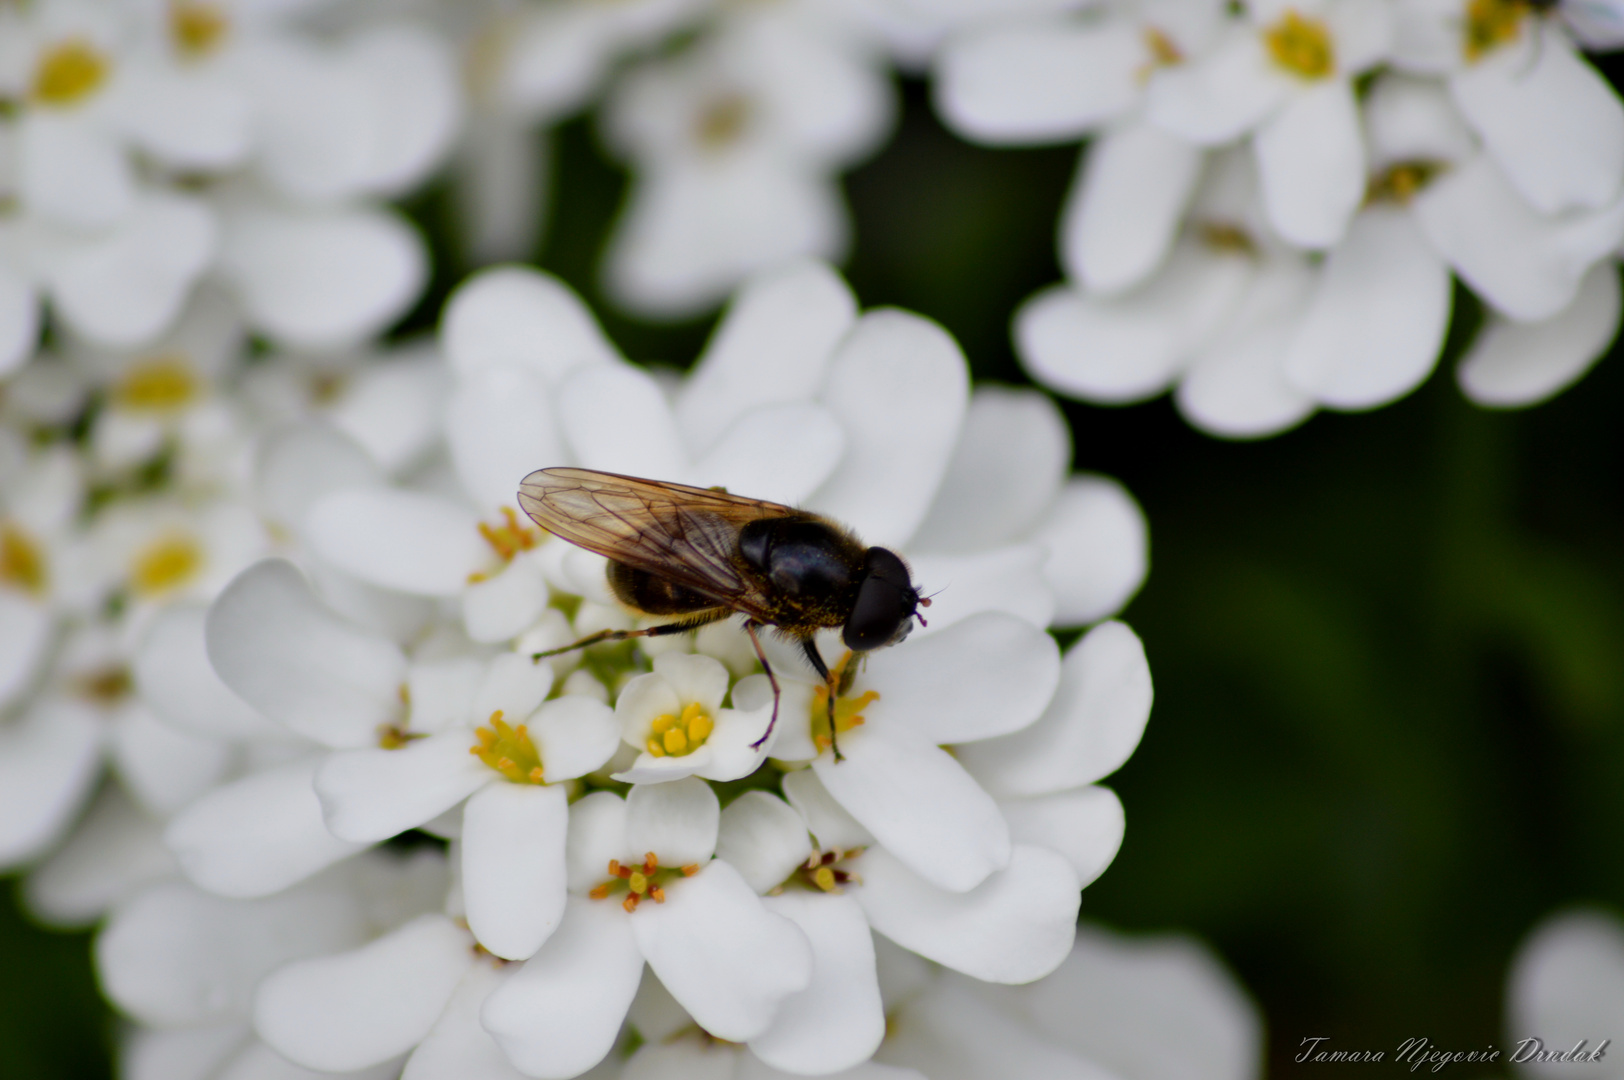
x: 1278, y: 195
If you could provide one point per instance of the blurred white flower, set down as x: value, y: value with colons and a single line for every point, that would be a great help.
x: 736, y: 143
x: 1566, y: 990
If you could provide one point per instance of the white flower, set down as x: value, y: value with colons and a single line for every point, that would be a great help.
x: 1118, y: 1006
x: 736, y: 142
x: 646, y: 887
x: 674, y: 718
x: 1566, y: 990
x: 1286, y: 72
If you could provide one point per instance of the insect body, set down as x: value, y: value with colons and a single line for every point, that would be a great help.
x: 699, y: 555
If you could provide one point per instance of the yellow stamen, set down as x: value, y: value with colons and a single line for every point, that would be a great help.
x: 510, y: 537
x: 679, y: 736
x: 1400, y: 182
x: 165, y: 564
x: 197, y: 28
x: 1163, y: 53
x: 638, y: 882
x: 1221, y: 236
x: 648, y: 881
x: 662, y: 723
x: 69, y: 72
x: 722, y: 121
x: 675, y: 742
x: 1300, y: 45
x: 508, y: 750
x: 654, y: 748
x: 22, y: 562
x: 395, y: 736
x: 1491, y: 24
x: 108, y: 686
x: 848, y: 711
x: 160, y: 383
x: 824, y: 878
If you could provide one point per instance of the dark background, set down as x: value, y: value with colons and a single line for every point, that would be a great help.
x: 1388, y: 648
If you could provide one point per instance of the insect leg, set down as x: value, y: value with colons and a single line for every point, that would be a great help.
x: 678, y: 627
x: 750, y: 628
x: 816, y: 660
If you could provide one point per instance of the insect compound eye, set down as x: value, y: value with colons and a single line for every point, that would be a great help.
x: 886, y: 600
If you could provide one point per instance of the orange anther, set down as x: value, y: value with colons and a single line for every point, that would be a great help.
x: 650, y: 863
x: 658, y: 894
x: 600, y: 892
x: 614, y: 867
x: 630, y: 903
x: 690, y: 870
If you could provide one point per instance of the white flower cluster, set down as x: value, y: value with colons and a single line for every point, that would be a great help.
x: 600, y: 832
x: 1278, y: 193
x: 1565, y: 997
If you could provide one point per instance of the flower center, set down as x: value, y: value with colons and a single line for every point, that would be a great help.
x: 197, y: 28
x: 506, y: 539
x: 167, y: 563
x: 508, y: 750
x: 1491, y: 24
x: 1300, y: 45
x: 108, y: 686
x: 722, y: 121
x: 22, y: 563
x: 162, y: 383
x: 848, y: 711
x: 820, y: 870
x: 1400, y: 182
x: 639, y: 882
x: 1226, y: 237
x: 679, y: 736
x: 69, y: 72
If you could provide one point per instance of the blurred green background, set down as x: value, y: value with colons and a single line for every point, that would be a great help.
x: 1388, y: 649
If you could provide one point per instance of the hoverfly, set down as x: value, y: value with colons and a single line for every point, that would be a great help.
x: 699, y: 555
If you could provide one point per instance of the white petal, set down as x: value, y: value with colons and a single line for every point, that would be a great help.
x: 1311, y: 164
x: 575, y: 734
x: 19, y: 320
x: 617, y: 419
x: 752, y: 457
x: 1006, y: 579
x: 189, y: 117
x: 514, y: 685
x: 514, y: 315
x: 1038, y: 82
x: 955, y: 1031
x: 297, y: 465
x: 26, y: 628
x: 506, y: 605
x: 500, y: 426
x: 1221, y: 95
x: 1514, y: 364
x: 894, y: 460
x: 1125, y: 207
x: 920, y: 803
x: 1014, y: 927
x: 259, y: 1062
x: 559, y: 1015
x: 837, y: 1021
x: 1237, y: 387
x: 48, y: 760
x: 323, y: 279
x: 70, y: 170
x: 164, y: 768
x: 281, y: 651
x: 116, y: 850
x: 1550, y: 120
x: 1010, y: 462
x: 773, y: 346
x: 726, y: 958
x: 1085, y: 825
x: 988, y: 675
x: 175, y: 956
x: 348, y: 1011
x: 1377, y: 317
x: 676, y: 821
x: 415, y: 99
x: 831, y: 826
x: 1566, y: 984
x: 371, y: 795
x: 457, y: 1047
x: 1099, y: 554
x: 597, y: 833
x: 1094, y: 722
x: 1132, y: 987
x: 405, y: 540
x: 513, y: 865
x: 1127, y: 348
x: 763, y: 838
x: 396, y: 409
x: 1413, y: 119
x: 1527, y: 265
x: 173, y: 674
x: 257, y: 835
x: 180, y: 1054
x: 124, y: 286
